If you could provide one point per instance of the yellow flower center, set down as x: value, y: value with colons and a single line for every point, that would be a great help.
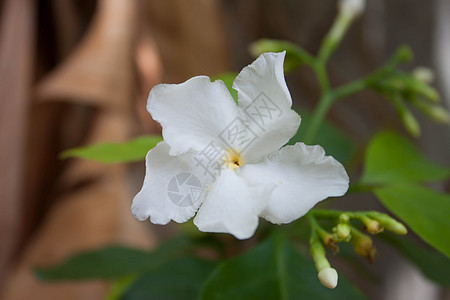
x: 233, y: 160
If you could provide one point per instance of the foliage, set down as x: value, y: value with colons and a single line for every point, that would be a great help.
x: 272, y: 270
x: 424, y: 210
x: 390, y: 158
x: 393, y: 170
x: 132, y: 150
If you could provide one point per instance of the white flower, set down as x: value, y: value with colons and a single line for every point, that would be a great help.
x: 251, y: 176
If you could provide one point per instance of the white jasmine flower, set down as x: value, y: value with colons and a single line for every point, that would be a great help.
x: 224, y: 162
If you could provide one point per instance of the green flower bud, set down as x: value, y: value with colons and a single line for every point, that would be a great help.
x: 363, y: 244
x: 415, y: 86
x: 410, y: 122
x: 328, y: 240
x: 371, y: 225
x: 344, y: 217
x: 342, y: 231
x: 435, y: 112
x: 389, y: 223
x: 404, y: 54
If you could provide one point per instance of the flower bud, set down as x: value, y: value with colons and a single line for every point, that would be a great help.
x: 404, y: 54
x: 352, y: 8
x: 344, y: 217
x: 363, y: 244
x: 328, y: 239
x: 328, y: 277
x: 408, y: 119
x: 371, y: 226
x: 330, y: 243
x: 389, y: 223
x: 423, y: 74
x: 410, y: 122
x: 439, y: 114
x: 435, y: 112
x: 342, y: 231
x: 417, y: 87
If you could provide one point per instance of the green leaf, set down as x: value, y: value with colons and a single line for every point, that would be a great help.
x: 390, y: 158
x: 119, y: 287
x: 228, y: 79
x: 272, y: 270
x: 425, y: 211
x: 335, y: 142
x: 295, y: 55
x: 178, y: 279
x: 433, y: 264
x: 132, y: 150
x: 114, y: 262
x: 107, y: 263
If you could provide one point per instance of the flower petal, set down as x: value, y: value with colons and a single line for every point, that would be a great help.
x: 303, y: 175
x: 231, y: 206
x: 192, y: 113
x: 265, y: 99
x: 172, y: 189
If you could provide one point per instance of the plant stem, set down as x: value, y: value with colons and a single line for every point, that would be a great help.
x: 335, y: 214
x: 321, y: 73
x: 326, y: 214
x: 318, y: 116
x: 334, y: 36
x: 350, y: 88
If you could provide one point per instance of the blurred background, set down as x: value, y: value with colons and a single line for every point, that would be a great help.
x: 76, y: 72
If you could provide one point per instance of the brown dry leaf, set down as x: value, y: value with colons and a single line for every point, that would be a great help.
x: 98, y: 72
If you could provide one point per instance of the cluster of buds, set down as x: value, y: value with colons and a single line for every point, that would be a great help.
x: 373, y: 223
x: 413, y: 88
x: 341, y: 232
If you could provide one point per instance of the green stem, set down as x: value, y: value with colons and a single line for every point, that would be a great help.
x: 329, y: 95
x: 332, y: 214
x: 334, y: 36
x: 350, y: 88
x: 321, y: 73
x: 317, y: 250
x: 313, y: 222
x: 318, y: 116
